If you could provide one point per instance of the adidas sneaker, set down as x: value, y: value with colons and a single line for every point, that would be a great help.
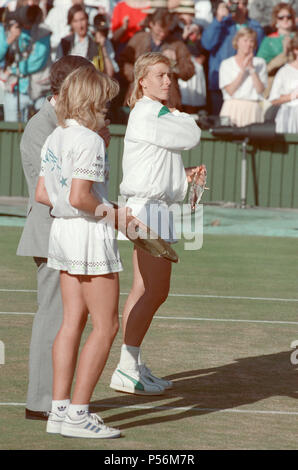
x: 89, y: 426
x: 131, y: 381
x: 146, y: 372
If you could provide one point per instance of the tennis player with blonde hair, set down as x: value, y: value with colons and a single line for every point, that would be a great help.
x: 153, y: 178
x: 82, y: 247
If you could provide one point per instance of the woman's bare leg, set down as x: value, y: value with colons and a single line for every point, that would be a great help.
x: 101, y: 294
x: 67, y: 341
x: 150, y: 289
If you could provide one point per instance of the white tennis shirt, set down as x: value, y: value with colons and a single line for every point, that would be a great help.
x: 72, y: 152
x: 152, y: 163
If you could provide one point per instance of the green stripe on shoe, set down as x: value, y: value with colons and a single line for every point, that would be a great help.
x: 138, y: 385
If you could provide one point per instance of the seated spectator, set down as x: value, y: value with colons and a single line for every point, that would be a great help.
x: 127, y: 20
x: 218, y: 38
x: 275, y: 47
x: 105, y: 58
x: 193, y: 91
x: 242, y: 79
x: 284, y: 92
x: 158, y: 39
x: 79, y: 42
x: 25, y: 55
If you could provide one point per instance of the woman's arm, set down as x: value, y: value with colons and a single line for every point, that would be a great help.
x: 82, y: 198
x: 235, y: 84
x: 41, y: 194
x: 257, y: 83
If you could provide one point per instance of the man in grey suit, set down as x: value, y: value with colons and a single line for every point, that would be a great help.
x: 34, y: 242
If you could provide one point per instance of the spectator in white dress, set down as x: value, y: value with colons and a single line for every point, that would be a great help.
x: 82, y: 247
x: 154, y: 177
x: 242, y: 79
x: 284, y: 92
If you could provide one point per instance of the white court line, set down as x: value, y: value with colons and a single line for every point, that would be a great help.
x: 159, y: 317
x: 199, y: 296
x: 181, y: 408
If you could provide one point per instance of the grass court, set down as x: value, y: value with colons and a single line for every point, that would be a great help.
x: 224, y: 337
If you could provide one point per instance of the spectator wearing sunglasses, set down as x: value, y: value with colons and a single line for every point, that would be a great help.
x: 275, y: 48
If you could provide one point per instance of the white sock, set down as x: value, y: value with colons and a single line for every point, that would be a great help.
x: 77, y: 411
x: 60, y: 407
x: 129, y: 357
x: 140, y: 362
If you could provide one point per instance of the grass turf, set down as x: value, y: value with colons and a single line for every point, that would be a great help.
x: 232, y: 379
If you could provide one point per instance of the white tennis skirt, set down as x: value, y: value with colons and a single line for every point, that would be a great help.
x: 82, y: 245
x: 155, y: 214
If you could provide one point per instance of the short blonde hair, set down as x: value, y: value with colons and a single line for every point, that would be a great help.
x: 245, y: 32
x: 140, y: 71
x: 84, y: 95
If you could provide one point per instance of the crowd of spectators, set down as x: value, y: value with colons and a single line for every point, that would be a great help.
x: 232, y: 59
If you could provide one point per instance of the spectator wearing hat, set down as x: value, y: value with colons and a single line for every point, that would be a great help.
x: 158, y: 39
x: 193, y: 91
x: 217, y: 38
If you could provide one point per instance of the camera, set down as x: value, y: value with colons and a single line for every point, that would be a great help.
x: 233, y: 7
x: 100, y: 24
x: 25, y: 16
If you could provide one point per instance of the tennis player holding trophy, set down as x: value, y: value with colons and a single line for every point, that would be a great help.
x: 153, y: 178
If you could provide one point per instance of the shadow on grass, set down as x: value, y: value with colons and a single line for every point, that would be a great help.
x: 243, y: 382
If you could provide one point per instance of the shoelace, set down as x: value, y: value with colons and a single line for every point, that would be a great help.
x: 97, y: 420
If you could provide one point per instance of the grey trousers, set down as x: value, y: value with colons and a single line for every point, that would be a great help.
x: 46, y: 324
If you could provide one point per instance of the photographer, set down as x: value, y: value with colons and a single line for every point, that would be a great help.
x: 24, y: 53
x: 217, y: 38
x: 105, y: 59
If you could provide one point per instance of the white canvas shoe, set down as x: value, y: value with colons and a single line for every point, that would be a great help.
x: 90, y: 426
x: 54, y: 423
x: 146, y: 372
x: 131, y: 381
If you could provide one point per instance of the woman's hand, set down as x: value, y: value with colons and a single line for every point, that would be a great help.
x: 247, y: 62
x: 104, y: 133
x: 197, y: 174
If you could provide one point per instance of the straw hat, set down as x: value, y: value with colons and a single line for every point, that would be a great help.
x: 154, y: 4
x: 185, y: 6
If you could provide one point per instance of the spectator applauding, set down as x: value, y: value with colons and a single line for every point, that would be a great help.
x: 243, y: 79
x: 275, y: 47
x: 217, y: 38
x: 284, y: 92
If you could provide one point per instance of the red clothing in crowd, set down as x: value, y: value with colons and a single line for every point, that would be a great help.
x: 136, y: 15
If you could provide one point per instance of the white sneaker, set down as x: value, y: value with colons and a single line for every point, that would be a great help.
x: 90, y: 426
x: 131, y: 381
x: 146, y: 372
x: 54, y: 423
